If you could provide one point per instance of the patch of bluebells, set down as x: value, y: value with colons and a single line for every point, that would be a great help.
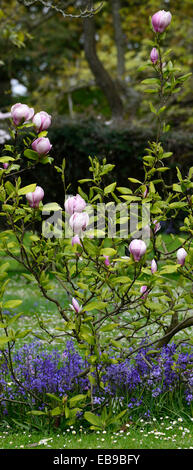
x: 127, y: 380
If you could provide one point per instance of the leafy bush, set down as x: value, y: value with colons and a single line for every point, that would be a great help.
x: 121, y: 287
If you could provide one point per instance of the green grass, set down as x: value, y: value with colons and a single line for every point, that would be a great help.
x: 34, y: 307
x: 163, y: 434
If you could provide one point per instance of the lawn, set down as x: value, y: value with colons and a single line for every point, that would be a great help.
x: 166, y: 433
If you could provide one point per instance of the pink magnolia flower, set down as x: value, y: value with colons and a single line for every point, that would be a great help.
x: 76, y: 240
x: 35, y: 197
x: 153, y: 266
x: 79, y: 221
x: 181, y: 255
x: 144, y: 291
x: 74, y: 204
x: 41, y: 145
x: 5, y: 166
x: 161, y: 20
x: 21, y: 113
x: 154, y: 56
x: 137, y: 248
x: 75, y: 306
x: 107, y: 260
x: 42, y: 121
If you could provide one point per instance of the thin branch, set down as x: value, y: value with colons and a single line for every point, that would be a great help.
x: 87, y: 13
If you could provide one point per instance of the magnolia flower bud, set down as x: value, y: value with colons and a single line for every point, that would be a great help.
x: 21, y: 113
x: 181, y: 255
x: 137, y: 248
x: 41, y: 145
x: 107, y: 261
x: 35, y: 197
x: 145, y: 193
x: 157, y: 226
x: 144, y: 291
x: 74, y: 204
x: 75, y: 306
x: 154, y: 56
x: 153, y: 266
x: 5, y: 166
x: 79, y: 221
x: 41, y: 121
x: 76, y: 240
x: 161, y: 20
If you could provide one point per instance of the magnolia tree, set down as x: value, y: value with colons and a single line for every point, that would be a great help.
x: 104, y: 247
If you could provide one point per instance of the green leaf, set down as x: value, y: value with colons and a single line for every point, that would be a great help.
x: 110, y: 188
x: 51, y: 206
x: 169, y: 269
x: 162, y: 169
x: 86, y: 180
x: 23, y: 334
x: 93, y: 419
x: 121, y: 280
x: 108, y: 328
x: 153, y: 110
x: 92, y: 359
x: 4, y: 267
x: 27, y: 189
x: 74, y: 400
x: 54, y: 397
x: 6, y: 159
x: 31, y: 154
x: 151, y: 81
x: 88, y: 337
x: 177, y: 188
x: 13, y: 319
x: 12, y: 303
x: 56, y: 411
x: 108, y: 252
x: 178, y: 205
x: 9, y: 188
x: 166, y: 155
x: 179, y: 174
x: 82, y: 194
x: 133, y: 180
x: 161, y: 110
x: 116, y: 344
x: 131, y: 198
x: 151, y: 90
x: 95, y: 304
x: 107, y: 168
x: 4, y: 340
x: 36, y: 413
x: 143, y: 67
x: 184, y: 77
x: 43, y: 134
x: 123, y: 190
x: 29, y: 277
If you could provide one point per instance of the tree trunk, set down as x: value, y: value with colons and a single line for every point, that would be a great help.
x: 102, y: 77
x: 173, y: 330
x: 119, y: 38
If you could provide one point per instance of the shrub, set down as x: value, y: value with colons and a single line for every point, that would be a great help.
x: 120, y: 288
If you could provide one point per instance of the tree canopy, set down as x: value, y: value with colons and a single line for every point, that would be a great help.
x: 91, y: 64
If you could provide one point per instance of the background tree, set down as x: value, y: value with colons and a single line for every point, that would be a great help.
x: 56, y: 74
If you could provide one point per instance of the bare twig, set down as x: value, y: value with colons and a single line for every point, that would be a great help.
x: 88, y: 12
